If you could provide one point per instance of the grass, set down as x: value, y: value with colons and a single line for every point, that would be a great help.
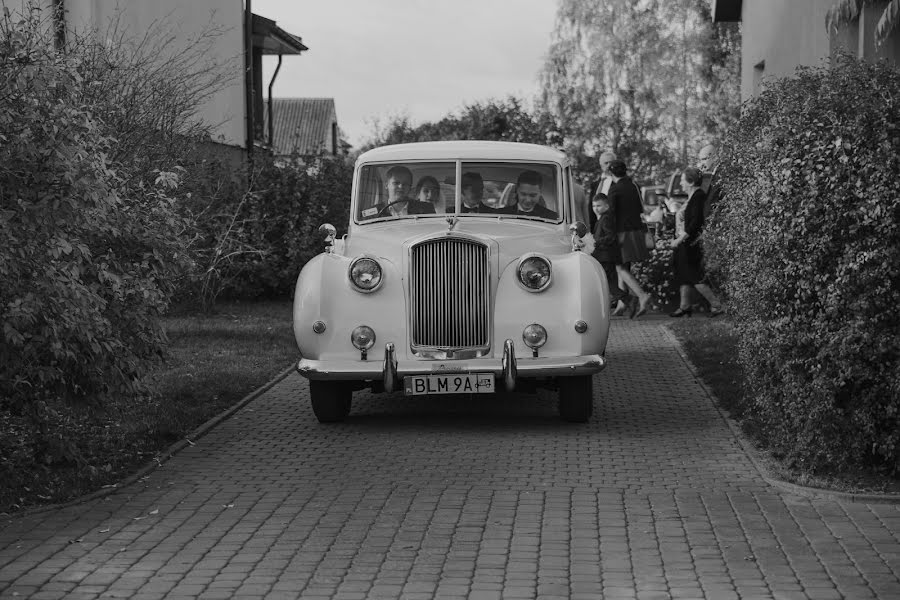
x: 214, y: 361
x: 711, y: 345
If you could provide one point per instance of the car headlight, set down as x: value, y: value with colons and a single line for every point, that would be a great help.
x: 366, y: 274
x: 534, y: 273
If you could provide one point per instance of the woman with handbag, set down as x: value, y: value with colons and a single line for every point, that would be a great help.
x: 687, y: 258
x: 625, y: 201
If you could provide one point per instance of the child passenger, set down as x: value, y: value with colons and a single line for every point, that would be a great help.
x: 606, y: 246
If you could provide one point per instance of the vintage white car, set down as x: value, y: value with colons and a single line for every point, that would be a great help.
x: 462, y: 272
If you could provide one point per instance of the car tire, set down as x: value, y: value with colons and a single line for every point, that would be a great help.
x: 576, y: 398
x: 330, y: 400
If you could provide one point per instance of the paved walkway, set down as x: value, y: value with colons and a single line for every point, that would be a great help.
x: 464, y: 498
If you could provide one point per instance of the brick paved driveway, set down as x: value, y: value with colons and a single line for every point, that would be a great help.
x: 464, y: 498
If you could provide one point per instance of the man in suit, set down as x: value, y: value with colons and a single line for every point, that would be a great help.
x: 606, y: 180
x: 398, y: 182
x: 528, y: 192
x: 707, y: 163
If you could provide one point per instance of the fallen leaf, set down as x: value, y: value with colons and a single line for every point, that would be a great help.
x: 137, y: 518
x: 154, y: 512
x: 228, y: 506
x: 104, y: 530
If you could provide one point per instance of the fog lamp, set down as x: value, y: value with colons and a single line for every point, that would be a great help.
x: 534, y: 336
x: 319, y: 327
x: 580, y: 326
x: 362, y: 337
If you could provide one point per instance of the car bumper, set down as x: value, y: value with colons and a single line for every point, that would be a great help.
x: 509, y: 368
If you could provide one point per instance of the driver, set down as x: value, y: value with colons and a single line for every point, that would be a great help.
x: 398, y: 182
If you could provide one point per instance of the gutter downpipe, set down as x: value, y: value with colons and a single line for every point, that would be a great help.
x: 271, y: 114
x: 248, y: 76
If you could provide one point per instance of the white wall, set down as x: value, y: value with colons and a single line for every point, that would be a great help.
x: 784, y: 34
x: 185, y: 20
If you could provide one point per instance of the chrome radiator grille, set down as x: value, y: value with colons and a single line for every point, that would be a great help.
x: 450, y: 294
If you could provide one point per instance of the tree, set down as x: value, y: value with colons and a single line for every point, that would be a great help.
x: 847, y: 11
x: 639, y: 77
x: 498, y: 120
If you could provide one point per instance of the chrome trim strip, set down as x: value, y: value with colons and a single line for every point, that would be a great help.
x: 359, y: 370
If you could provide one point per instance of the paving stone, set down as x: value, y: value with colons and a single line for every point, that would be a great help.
x: 459, y: 497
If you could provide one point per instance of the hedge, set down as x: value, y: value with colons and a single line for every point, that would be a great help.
x: 807, y: 246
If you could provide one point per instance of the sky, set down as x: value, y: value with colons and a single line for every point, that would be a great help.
x: 420, y: 58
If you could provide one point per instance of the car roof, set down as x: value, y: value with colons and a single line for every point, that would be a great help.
x: 463, y: 150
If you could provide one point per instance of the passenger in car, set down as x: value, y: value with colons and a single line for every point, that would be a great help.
x: 398, y: 182
x: 472, y: 192
x: 429, y: 190
x: 529, y: 191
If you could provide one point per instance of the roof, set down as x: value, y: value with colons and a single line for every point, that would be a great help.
x: 463, y: 150
x: 302, y: 125
x: 726, y: 10
x: 273, y: 39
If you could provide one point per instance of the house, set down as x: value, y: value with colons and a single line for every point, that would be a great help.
x: 780, y: 35
x: 235, y: 111
x: 304, y: 126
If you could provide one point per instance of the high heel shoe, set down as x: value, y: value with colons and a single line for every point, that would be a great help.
x: 642, y: 307
x: 716, y: 312
x: 681, y: 312
x: 620, y: 309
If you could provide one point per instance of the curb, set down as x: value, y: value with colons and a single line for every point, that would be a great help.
x: 164, y: 455
x: 753, y: 454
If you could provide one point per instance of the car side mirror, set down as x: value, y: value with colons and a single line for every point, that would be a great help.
x: 328, y: 230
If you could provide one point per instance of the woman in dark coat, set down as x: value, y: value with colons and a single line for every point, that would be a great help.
x: 687, y: 258
x: 627, y: 208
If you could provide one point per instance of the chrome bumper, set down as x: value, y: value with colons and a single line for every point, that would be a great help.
x: 507, y: 369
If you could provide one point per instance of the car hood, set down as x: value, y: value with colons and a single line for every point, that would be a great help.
x: 514, y: 238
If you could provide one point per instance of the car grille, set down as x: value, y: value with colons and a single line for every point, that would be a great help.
x: 450, y: 295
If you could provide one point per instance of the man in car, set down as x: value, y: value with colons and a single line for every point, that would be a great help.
x: 528, y: 191
x: 398, y: 182
x: 472, y: 192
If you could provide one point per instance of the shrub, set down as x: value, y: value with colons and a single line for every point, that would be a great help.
x: 656, y: 274
x: 91, y: 247
x: 253, y: 241
x: 807, y: 244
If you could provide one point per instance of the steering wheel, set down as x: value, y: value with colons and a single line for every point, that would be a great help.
x: 384, y: 210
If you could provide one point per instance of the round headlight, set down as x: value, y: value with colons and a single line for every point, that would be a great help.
x: 366, y: 274
x: 363, y: 337
x: 534, y: 273
x: 534, y: 336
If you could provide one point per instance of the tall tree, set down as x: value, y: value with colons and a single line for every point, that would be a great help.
x: 639, y: 77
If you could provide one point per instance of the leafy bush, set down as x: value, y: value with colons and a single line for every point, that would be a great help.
x: 807, y: 244
x: 251, y: 241
x: 656, y: 274
x: 91, y: 248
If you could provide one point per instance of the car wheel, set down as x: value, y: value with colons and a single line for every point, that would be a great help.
x: 576, y: 398
x: 330, y: 400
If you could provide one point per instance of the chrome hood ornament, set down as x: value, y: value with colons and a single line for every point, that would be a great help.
x: 451, y: 222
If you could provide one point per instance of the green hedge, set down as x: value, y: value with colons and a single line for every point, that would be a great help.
x: 807, y: 245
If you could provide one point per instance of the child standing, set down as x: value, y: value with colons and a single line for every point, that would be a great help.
x: 606, y: 246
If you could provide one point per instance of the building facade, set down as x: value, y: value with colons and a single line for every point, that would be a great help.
x: 780, y: 35
x: 231, y: 42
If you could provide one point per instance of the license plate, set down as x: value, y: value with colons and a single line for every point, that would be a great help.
x: 454, y: 383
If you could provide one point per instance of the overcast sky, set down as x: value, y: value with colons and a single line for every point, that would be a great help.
x: 424, y: 58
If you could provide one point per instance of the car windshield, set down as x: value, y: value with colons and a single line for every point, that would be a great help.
x: 420, y: 189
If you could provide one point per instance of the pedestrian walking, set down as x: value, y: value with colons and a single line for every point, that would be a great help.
x: 687, y: 258
x: 627, y: 208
